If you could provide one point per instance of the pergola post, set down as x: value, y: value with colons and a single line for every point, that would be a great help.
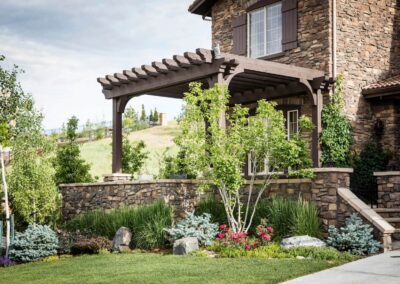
x: 117, y: 137
x: 316, y: 119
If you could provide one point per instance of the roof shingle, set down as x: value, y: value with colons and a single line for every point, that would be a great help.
x: 386, y: 83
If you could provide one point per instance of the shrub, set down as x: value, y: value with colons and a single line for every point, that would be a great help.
x: 91, y: 246
x: 147, y: 223
x: 215, y: 208
x: 355, y: 237
x: 35, y: 243
x: 195, y: 226
x: 173, y: 166
x: 293, y: 217
x: 133, y: 156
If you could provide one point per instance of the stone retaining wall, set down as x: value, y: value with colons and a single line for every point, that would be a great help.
x: 183, y: 194
x: 388, y: 189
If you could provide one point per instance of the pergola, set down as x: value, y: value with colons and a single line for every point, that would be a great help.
x: 248, y: 80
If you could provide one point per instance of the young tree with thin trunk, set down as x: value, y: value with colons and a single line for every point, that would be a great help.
x: 219, y: 154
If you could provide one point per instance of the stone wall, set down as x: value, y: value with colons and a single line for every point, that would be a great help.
x: 183, y: 194
x: 389, y: 113
x: 388, y: 189
x: 366, y: 50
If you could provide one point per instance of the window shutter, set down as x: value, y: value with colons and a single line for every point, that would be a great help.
x: 239, y: 35
x: 289, y: 24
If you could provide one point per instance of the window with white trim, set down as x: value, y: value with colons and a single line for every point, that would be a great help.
x: 265, y: 30
x: 292, y: 121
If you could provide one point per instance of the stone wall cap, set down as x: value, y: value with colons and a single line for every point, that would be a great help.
x: 117, y: 175
x: 333, y: 170
x: 125, y: 182
x: 388, y: 173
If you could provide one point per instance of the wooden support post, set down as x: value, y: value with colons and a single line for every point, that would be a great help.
x: 316, y: 119
x: 117, y: 137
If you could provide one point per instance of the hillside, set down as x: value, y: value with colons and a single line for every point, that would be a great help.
x: 157, y: 139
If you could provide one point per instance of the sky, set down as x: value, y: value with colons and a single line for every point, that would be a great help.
x: 63, y: 46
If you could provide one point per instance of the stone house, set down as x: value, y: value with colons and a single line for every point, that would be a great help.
x: 337, y: 37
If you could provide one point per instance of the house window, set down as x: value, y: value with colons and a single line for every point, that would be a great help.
x: 265, y: 30
x: 292, y: 121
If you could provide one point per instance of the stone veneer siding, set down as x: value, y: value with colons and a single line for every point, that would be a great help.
x: 368, y: 47
x: 388, y: 190
x: 183, y: 194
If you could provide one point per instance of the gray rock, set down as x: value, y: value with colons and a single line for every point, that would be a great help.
x: 122, y: 240
x: 185, y: 245
x: 302, y: 241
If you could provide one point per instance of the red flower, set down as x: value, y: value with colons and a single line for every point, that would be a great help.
x: 270, y: 229
x: 262, y: 234
x: 221, y: 235
x: 247, y: 247
x: 222, y: 226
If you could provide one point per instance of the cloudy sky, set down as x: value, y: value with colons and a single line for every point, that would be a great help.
x: 63, y: 46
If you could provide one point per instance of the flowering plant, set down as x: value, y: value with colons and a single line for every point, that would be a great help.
x: 264, y: 233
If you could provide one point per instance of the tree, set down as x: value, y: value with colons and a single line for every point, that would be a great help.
x: 143, y: 114
x: 15, y: 106
x: 151, y: 118
x: 218, y: 154
x: 130, y: 118
x: 133, y: 156
x: 32, y: 188
x: 155, y: 116
x: 336, y: 136
x: 70, y: 168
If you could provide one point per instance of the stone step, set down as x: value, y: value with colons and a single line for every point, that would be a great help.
x: 392, y: 220
x: 396, y: 245
x: 387, y: 210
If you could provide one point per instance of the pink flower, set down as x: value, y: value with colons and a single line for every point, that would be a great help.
x: 226, y: 243
x: 247, y: 247
x: 270, y: 229
x: 221, y: 235
x: 222, y: 226
x: 262, y: 234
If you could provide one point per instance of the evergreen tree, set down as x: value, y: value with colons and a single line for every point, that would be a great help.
x: 143, y: 114
x: 130, y: 118
x: 70, y: 168
x: 155, y: 116
x: 151, y: 118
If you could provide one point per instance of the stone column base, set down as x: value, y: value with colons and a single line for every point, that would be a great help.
x: 116, y: 177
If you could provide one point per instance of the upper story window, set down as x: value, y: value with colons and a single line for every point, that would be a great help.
x: 265, y: 30
x: 292, y: 120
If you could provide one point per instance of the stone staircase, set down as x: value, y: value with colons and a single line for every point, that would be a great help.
x: 392, y: 216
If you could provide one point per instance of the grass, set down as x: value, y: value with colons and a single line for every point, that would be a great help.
x: 157, y: 139
x: 156, y: 268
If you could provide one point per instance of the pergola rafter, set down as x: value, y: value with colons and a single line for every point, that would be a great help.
x: 247, y: 79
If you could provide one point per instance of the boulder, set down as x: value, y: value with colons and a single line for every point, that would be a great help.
x: 122, y: 239
x: 302, y: 241
x: 185, y: 245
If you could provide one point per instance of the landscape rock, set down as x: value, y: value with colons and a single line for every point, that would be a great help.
x: 185, y: 245
x: 302, y: 241
x: 122, y: 240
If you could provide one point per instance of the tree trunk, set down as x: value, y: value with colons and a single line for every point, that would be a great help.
x: 7, y: 208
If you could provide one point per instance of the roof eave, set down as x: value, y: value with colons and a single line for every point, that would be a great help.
x: 381, y: 92
x: 201, y: 7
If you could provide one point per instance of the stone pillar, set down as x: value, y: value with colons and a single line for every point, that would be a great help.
x: 324, y: 193
x: 163, y: 119
x: 388, y: 189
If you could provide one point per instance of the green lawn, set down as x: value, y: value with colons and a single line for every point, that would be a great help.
x: 155, y: 268
x: 98, y: 153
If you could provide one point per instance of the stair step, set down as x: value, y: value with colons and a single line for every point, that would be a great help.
x: 392, y: 220
x: 387, y: 210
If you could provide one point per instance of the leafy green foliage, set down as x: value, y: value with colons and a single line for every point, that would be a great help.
x: 147, y: 222
x: 70, y: 168
x: 210, y: 205
x: 292, y: 217
x: 355, y: 237
x: 133, y: 156
x: 336, y: 136
x: 91, y: 246
x: 219, y: 154
x: 373, y: 158
x: 175, y: 166
x: 199, y: 227
x: 35, y: 243
x: 143, y: 114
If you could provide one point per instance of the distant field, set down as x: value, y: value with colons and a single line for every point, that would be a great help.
x: 157, y: 139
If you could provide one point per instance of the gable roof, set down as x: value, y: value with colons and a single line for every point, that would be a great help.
x: 202, y: 7
x: 389, y: 86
